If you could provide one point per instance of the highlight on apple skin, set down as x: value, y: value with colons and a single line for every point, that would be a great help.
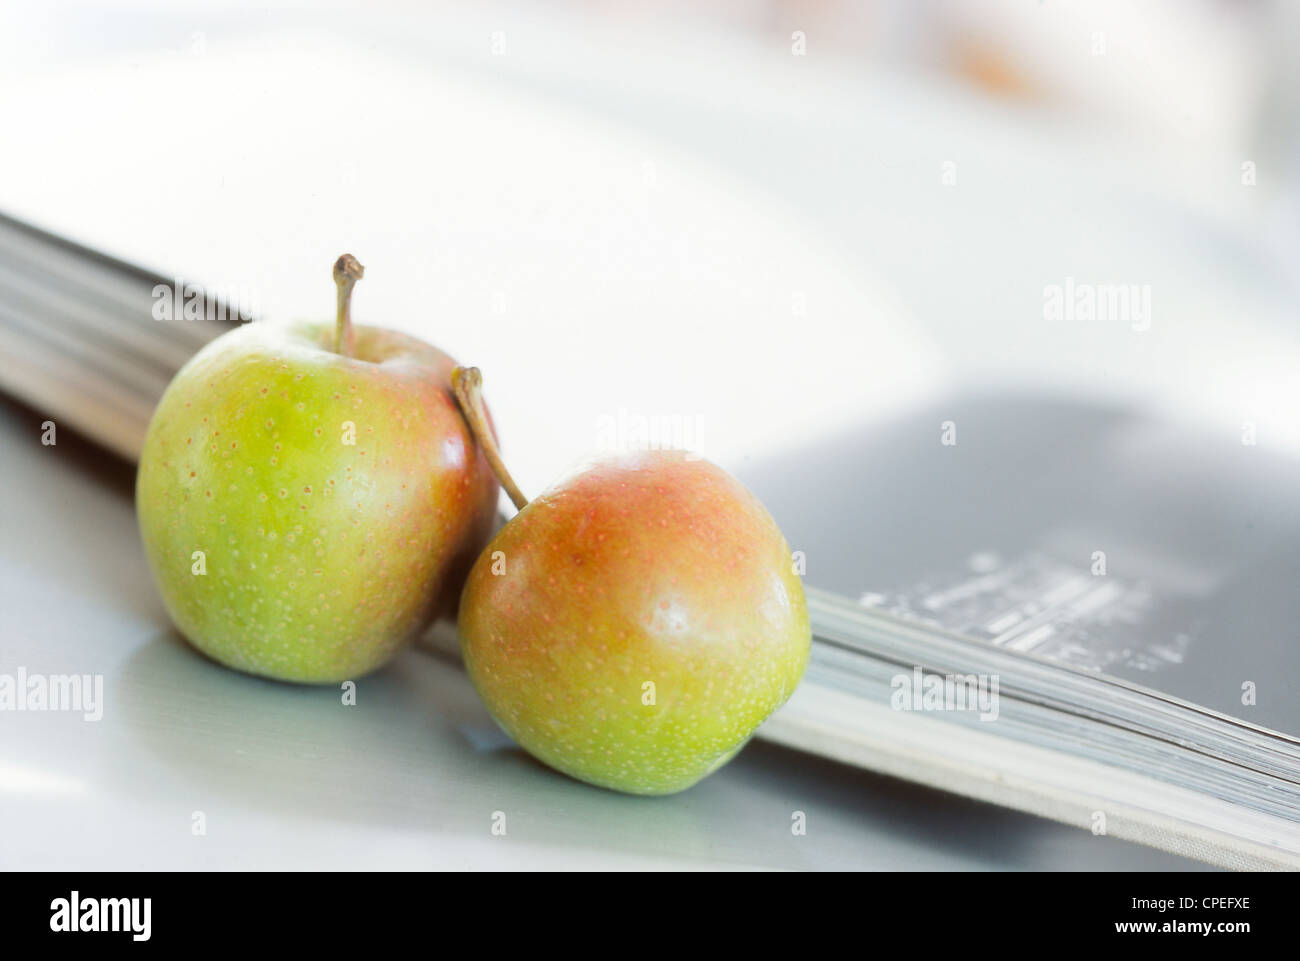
x: 635, y: 624
x: 309, y: 496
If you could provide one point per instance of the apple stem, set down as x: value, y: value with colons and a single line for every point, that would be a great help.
x: 467, y: 385
x: 347, y: 271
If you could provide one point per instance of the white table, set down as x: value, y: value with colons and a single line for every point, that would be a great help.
x: 287, y: 777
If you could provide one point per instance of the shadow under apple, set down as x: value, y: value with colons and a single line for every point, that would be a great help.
x: 419, y: 752
x: 416, y: 751
x: 302, y: 749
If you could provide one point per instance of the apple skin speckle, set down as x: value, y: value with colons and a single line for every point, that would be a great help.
x: 391, y: 538
x: 651, y: 568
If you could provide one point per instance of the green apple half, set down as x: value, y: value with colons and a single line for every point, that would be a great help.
x: 310, y: 496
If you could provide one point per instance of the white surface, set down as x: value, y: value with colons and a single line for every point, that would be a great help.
x: 287, y: 777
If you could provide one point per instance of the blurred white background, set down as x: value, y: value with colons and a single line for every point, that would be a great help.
x: 774, y: 219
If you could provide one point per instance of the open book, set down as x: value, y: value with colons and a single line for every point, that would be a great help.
x: 1076, y: 612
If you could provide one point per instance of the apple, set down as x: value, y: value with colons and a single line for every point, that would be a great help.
x: 309, y: 495
x: 636, y: 623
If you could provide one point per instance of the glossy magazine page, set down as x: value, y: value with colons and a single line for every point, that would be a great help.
x: 1046, y: 620
x: 1091, y: 537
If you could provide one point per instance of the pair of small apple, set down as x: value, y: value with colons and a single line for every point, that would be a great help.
x: 311, y: 497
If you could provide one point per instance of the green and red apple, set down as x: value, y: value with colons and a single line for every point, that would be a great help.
x: 636, y: 623
x: 310, y: 496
